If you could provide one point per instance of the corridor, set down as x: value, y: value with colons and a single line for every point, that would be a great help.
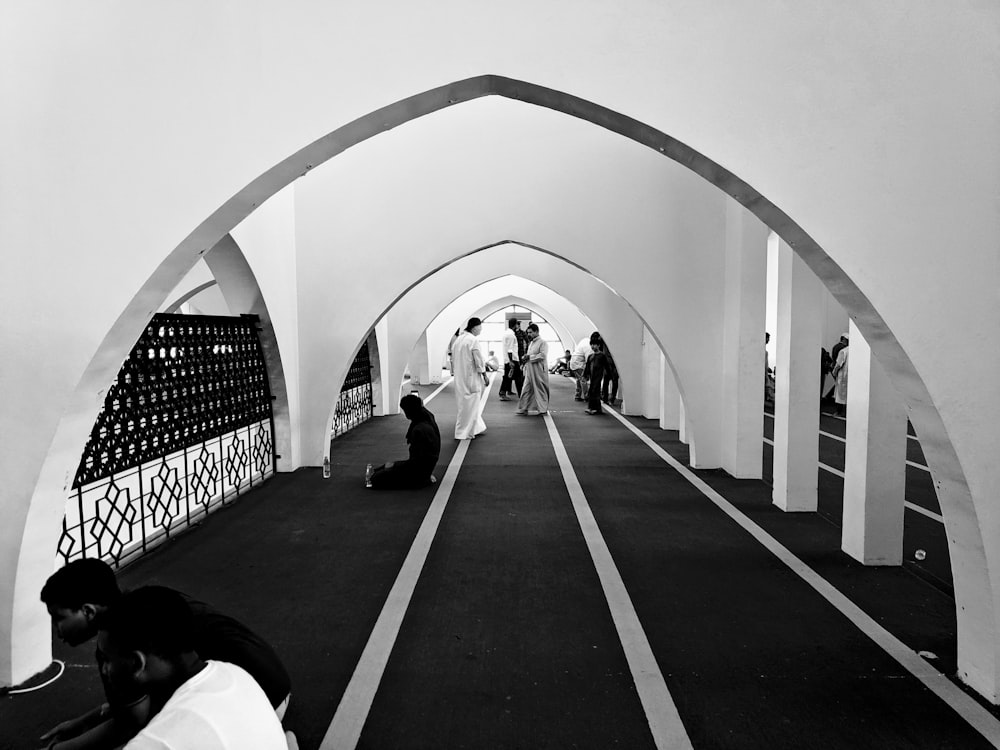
x: 566, y: 584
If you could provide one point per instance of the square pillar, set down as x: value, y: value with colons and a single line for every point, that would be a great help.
x: 670, y: 398
x: 796, y: 399
x: 651, y: 355
x: 875, y: 460
x: 420, y: 367
x: 743, y: 343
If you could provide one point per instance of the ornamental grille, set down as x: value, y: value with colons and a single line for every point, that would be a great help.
x: 186, y: 426
x: 355, y: 405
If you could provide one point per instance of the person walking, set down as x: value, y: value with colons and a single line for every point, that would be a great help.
x: 470, y: 380
x: 536, y: 374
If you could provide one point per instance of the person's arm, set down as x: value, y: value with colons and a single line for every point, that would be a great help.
x: 74, y: 727
x: 103, y: 727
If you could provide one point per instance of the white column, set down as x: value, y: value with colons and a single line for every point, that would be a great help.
x: 796, y: 407
x: 684, y: 427
x: 743, y: 343
x: 651, y: 378
x: 875, y: 460
x: 670, y: 397
x: 385, y: 394
x: 420, y: 370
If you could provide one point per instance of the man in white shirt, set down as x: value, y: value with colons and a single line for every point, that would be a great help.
x: 512, y: 350
x: 578, y: 362
x: 145, y: 646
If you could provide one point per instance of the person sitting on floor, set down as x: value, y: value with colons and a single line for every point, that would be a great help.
x: 561, y: 367
x: 424, y: 440
x: 78, y: 597
x: 492, y: 363
x: 146, y: 647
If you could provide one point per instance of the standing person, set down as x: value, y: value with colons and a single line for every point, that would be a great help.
x: 840, y: 378
x: 470, y: 380
x: 834, y: 353
x: 536, y: 381
x: 768, y: 373
x: 597, y: 365
x: 511, y: 351
x: 424, y: 440
x: 578, y: 363
x: 610, y: 381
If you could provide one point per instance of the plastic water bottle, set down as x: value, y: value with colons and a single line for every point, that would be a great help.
x: 326, y: 468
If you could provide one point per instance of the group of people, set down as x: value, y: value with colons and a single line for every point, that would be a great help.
x: 525, y: 371
x: 176, y: 672
x: 833, y: 363
x: 526, y: 368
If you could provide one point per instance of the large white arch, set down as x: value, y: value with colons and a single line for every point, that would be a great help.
x: 880, y: 200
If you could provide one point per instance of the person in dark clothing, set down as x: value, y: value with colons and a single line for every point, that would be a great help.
x: 424, y: 440
x: 596, y: 367
x: 78, y: 597
x: 513, y: 348
x: 609, y: 384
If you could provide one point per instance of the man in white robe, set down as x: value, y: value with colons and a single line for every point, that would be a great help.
x: 470, y: 380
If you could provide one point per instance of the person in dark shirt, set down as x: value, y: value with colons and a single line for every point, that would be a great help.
x: 78, y: 597
x: 597, y: 365
x: 424, y: 440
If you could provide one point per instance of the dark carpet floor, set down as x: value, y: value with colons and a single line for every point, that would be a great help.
x: 508, y: 641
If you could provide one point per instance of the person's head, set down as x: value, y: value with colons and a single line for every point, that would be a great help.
x: 411, y: 404
x: 492, y: 353
x: 146, y: 639
x: 767, y: 337
x: 569, y: 353
x: 513, y: 324
x: 594, y: 337
x: 77, y: 596
x: 531, y: 330
x: 598, y: 345
x: 475, y: 326
x: 844, y: 338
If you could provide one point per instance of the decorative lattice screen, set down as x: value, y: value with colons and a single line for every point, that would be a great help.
x: 354, y: 405
x: 186, y: 426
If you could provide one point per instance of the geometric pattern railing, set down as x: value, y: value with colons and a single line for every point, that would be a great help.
x: 355, y: 405
x: 186, y: 427
x: 119, y: 518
